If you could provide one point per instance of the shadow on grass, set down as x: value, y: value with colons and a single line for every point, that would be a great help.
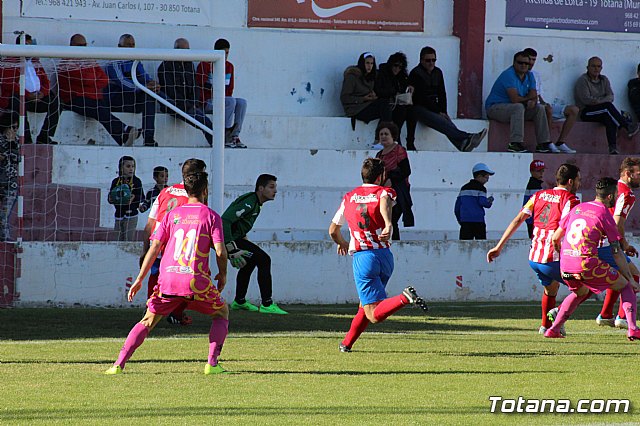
x: 265, y: 412
x: 78, y: 323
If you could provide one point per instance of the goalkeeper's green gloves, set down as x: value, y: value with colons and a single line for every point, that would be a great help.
x: 237, y: 256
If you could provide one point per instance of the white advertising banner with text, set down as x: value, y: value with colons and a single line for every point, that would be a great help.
x: 173, y: 12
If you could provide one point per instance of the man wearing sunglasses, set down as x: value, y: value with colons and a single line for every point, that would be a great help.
x: 430, y: 102
x: 514, y: 99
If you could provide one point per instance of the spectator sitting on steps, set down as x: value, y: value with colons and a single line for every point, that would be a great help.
x: 594, y: 97
x: 514, y: 99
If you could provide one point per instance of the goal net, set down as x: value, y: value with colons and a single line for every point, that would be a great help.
x: 89, y: 135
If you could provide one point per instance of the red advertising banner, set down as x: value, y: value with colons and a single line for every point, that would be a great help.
x: 369, y: 15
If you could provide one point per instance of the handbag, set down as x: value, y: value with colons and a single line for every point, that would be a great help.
x: 403, y: 99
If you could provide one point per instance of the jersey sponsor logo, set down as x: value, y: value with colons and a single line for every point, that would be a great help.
x: 359, y: 199
x: 176, y: 191
x: 180, y: 269
x: 239, y: 213
x: 550, y: 198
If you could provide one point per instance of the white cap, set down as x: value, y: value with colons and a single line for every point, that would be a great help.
x: 481, y: 167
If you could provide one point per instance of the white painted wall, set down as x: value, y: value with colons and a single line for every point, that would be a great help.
x: 311, y: 184
x: 303, y: 272
x: 570, y: 51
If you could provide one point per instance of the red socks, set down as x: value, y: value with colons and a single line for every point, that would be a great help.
x: 609, y: 302
x: 389, y: 306
x: 548, y: 303
x: 358, y: 325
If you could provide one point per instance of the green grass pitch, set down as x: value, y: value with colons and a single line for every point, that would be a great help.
x: 413, y: 369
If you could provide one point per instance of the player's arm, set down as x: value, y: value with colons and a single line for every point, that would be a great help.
x: 623, y: 265
x: 386, y: 205
x: 557, y: 238
x: 221, y: 261
x: 336, y: 235
x: 153, y: 252
x: 513, y: 227
x: 624, y: 244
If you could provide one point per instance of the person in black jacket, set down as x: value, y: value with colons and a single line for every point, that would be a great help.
x: 430, y: 102
x: 397, y: 169
x: 393, y: 79
x: 125, y: 194
x: 178, y: 79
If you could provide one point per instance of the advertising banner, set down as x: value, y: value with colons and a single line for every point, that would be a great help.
x: 584, y: 15
x: 369, y: 15
x: 175, y: 12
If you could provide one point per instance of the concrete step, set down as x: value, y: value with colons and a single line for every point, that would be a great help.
x: 259, y: 131
x: 586, y: 138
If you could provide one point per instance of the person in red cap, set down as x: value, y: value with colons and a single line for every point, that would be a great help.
x: 536, y: 168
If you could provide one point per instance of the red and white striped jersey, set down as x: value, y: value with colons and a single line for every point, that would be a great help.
x: 624, y: 203
x: 547, y: 207
x: 169, y: 198
x: 360, y: 209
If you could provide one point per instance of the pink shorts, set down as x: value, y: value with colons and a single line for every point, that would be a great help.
x: 598, y: 276
x: 160, y: 305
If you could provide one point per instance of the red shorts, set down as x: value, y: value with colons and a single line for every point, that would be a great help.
x: 597, y: 276
x: 160, y: 305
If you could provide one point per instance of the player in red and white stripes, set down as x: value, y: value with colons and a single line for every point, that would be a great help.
x: 629, y: 180
x: 367, y: 211
x: 546, y: 207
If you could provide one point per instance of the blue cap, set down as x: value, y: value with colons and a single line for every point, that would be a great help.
x: 481, y: 167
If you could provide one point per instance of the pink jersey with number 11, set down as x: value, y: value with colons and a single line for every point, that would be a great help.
x: 188, y: 232
x: 584, y: 227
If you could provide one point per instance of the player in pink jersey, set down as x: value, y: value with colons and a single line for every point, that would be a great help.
x: 547, y: 207
x: 629, y: 180
x: 187, y: 234
x: 168, y: 199
x: 582, y: 270
x: 367, y: 211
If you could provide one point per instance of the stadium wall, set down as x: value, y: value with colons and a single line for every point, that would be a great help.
x: 65, y: 274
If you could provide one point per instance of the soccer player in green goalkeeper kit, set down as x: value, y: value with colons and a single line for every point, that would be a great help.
x: 237, y: 221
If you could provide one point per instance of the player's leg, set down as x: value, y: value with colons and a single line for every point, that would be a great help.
x: 262, y: 261
x: 605, y: 318
x: 217, y: 336
x: 629, y: 304
x: 549, y: 276
x: 579, y: 293
x: 621, y: 321
x: 140, y: 331
x: 242, y: 284
x: 377, y: 266
x: 358, y: 325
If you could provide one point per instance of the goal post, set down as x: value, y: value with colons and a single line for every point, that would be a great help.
x: 216, y: 160
x: 80, y: 217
